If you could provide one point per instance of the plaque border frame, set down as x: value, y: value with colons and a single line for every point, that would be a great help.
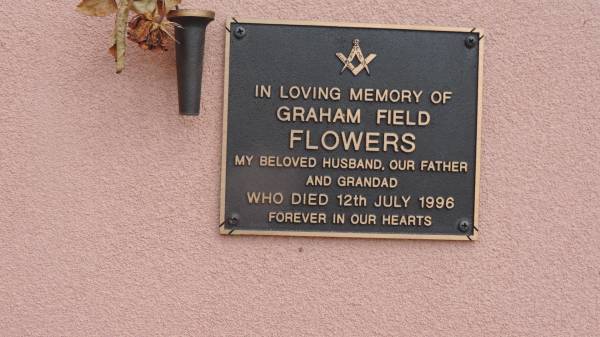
x: 453, y: 237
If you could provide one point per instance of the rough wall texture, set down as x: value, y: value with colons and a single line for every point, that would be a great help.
x: 109, y: 198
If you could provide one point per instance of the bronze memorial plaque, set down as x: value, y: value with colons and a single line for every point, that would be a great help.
x: 351, y: 130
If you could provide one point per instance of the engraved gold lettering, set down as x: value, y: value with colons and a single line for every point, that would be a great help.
x: 409, y: 144
x: 314, y: 180
x: 351, y: 140
x: 402, y: 117
x: 297, y: 217
x: 262, y: 91
x: 363, y: 219
x: 391, y: 201
x: 264, y: 198
x: 243, y: 160
x: 444, y: 166
x: 310, y: 93
x: 367, y: 181
x: 439, y: 97
x: 385, y: 95
x: 287, y: 161
x: 309, y: 199
x: 318, y: 115
x: 401, y: 165
x: 405, y: 220
x: 352, y: 163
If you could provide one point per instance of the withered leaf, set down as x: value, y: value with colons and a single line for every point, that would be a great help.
x: 97, y: 7
x: 143, y: 6
x: 113, y: 51
x: 164, y: 6
x: 170, y: 4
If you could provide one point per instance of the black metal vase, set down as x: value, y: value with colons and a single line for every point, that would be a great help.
x: 190, y: 52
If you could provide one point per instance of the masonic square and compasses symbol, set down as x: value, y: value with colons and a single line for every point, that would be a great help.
x: 356, y: 53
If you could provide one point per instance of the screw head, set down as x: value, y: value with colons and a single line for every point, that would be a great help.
x: 464, y: 226
x: 470, y: 41
x: 239, y: 32
x: 233, y: 221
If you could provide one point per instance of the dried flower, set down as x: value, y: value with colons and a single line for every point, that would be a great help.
x: 149, y: 28
x: 97, y: 7
x: 148, y: 33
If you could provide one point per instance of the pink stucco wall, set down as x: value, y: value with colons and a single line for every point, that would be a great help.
x: 109, y: 199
